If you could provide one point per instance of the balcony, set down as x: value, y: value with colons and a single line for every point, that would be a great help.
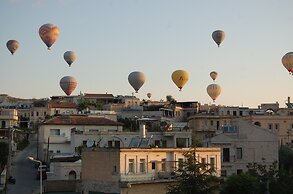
x: 131, y: 177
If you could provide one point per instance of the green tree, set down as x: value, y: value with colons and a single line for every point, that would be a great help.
x: 241, y: 184
x: 4, y: 151
x: 194, y: 177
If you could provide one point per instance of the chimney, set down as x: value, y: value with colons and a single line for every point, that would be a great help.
x: 288, y: 99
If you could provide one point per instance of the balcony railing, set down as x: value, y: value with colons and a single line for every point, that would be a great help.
x: 137, y: 177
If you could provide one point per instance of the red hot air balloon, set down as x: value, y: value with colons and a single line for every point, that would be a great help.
x: 68, y: 84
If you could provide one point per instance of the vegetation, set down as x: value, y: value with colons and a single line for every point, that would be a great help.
x: 22, y: 144
x: 4, y: 151
x: 194, y: 177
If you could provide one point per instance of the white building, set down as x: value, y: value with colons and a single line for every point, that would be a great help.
x: 55, y: 134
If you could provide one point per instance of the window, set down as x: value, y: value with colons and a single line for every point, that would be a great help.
x: 142, y: 165
x: 164, y: 164
x: 3, y: 124
x: 114, y: 169
x: 164, y: 143
x: 37, y: 113
x: 55, y: 132
x: 131, y: 165
x: 270, y: 126
x: 239, y: 171
x: 223, y: 173
x: 277, y: 126
x: 234, y: 113
x: 241, y: 113
x: 212, y: 123
x: 153, y: 165
x: 239, y: 153
x: 204, y: 162
x: 32, y: 113
x: 226, y: 155
x: 212, y: 163
x: 117, y: 144
x: 228, y: 112
x: 58, y: 151
x: 157, y: 143
x: 110, y: 144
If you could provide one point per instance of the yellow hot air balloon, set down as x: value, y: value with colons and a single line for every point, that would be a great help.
x: 287, y: 61
x: 214, y: 90
x: 49, y: 34
x: 180, y: 77
x: 12, y: 46
x: 218, y: 36
x: 214, y: 75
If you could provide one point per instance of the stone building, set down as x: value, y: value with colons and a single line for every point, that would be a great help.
x: 137, y: 170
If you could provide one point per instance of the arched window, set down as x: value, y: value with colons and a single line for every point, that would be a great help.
x: 72, y: 175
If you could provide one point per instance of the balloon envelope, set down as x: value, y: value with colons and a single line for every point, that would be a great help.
x: 149, y: 95
x: 136, y: 80
x: 218, y: 36
x: 69, y: 57
x: 214, y: 90
x: 12, y: 46
x: 214, y: 75
x: 180, y: 77
x: 49, y: 34
x: 287, y: 61
x: 68, y: 84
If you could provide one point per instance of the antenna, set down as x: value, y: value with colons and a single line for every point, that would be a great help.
x: 90, y: 143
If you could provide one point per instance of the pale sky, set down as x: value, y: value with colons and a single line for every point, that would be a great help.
x: 112, y: 38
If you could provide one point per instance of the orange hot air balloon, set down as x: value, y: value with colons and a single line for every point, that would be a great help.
x: 287, y: 61
x: 149, y: 95
x: 180, y: 77
x: 214, y: 75
x: 49, y: 34
x: 218, y: 36
x: 214, y: 90
x: 136, y: 79
x: 12, y: 46
x: 68, y: 84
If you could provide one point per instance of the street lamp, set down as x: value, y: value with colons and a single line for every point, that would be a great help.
x: 41, y: 172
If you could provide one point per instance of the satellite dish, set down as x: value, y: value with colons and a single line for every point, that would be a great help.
x: 90, y: 143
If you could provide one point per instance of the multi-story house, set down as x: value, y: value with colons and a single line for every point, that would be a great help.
x: 242, y: 143
x: 55, y: 133
x: 130, y: 170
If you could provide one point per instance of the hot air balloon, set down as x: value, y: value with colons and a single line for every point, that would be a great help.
x: 149, y: 95
x: 12, y: 46
x: 180, y: 77
x: 214, y: 75
x: 49, y: 34
x: 287, y: 61
x: 136, y: 80
x: 218, y: 36
x: 214, y: 90
x: 69, y: 57
x: 68, y: 84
